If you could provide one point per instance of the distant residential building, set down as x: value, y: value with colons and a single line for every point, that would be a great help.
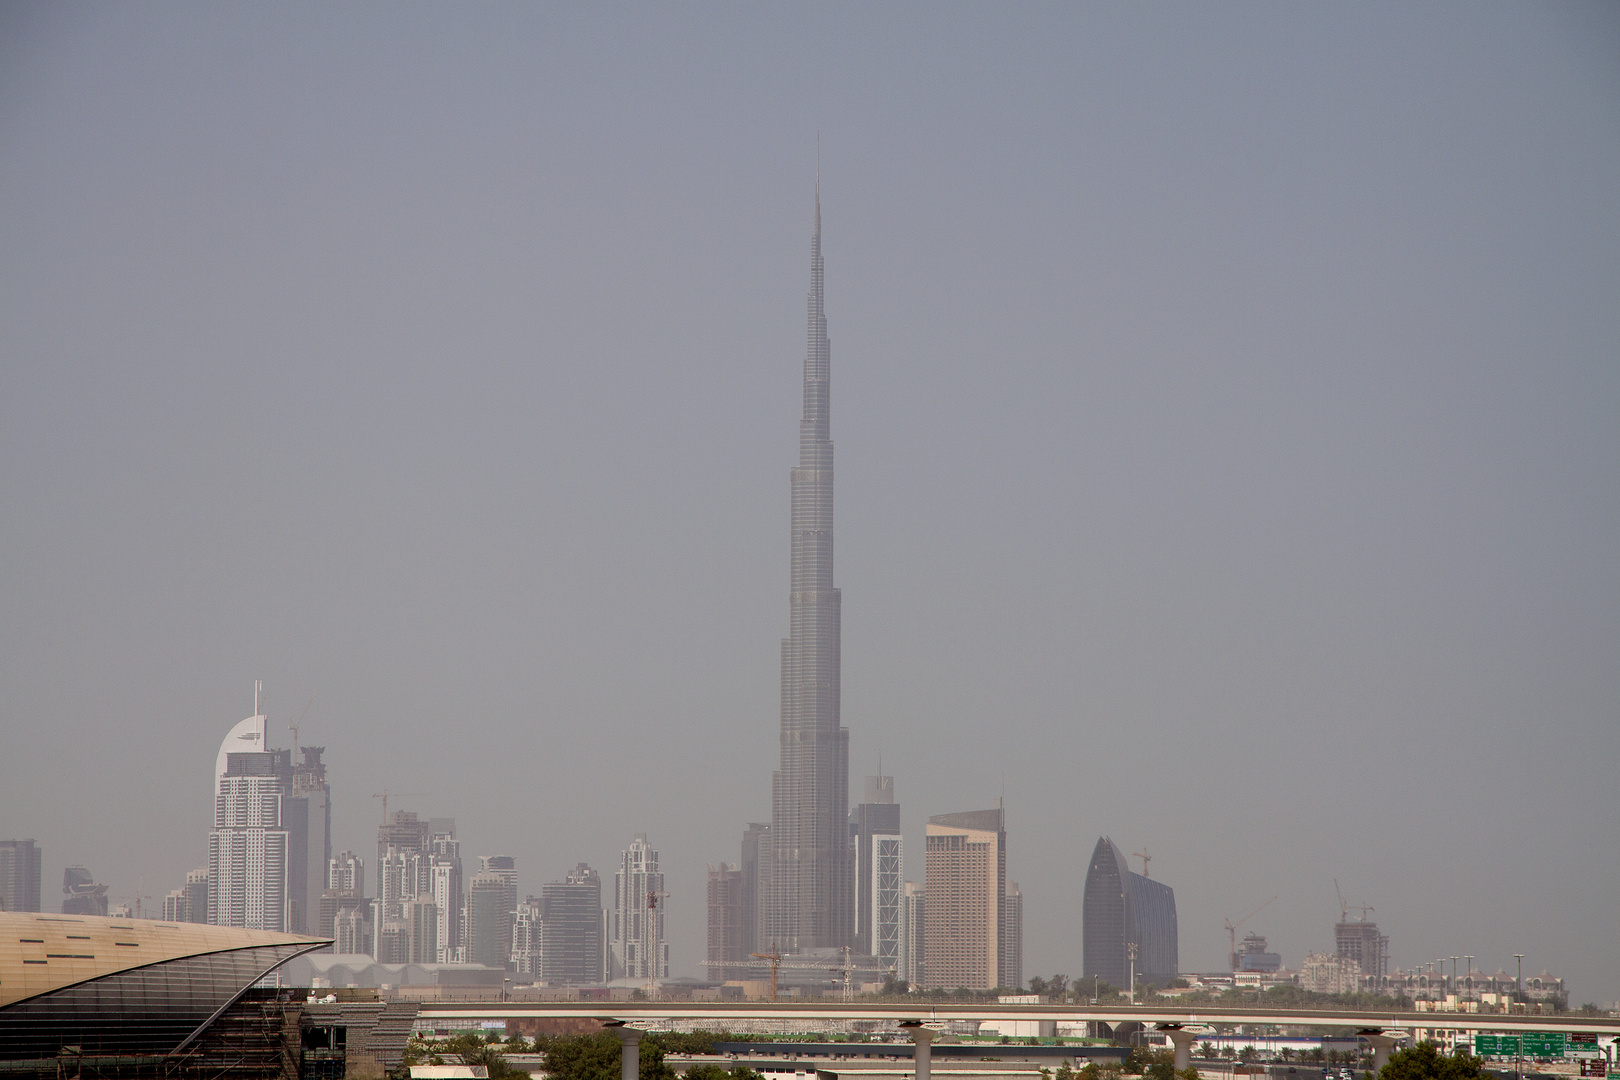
x: 527, y: 943
x: 1012, y: 936
x: 572, y: 943
x: 491, y: 905
x: 505, y: 868
x: 346, y: 872
x: 197, y: 895
x: 350, y: 930
x: 393, y: 940
x: 726, y: 958
x: 248, y: 846
x: 640, y: 949
x: 19, y: 875
x: 913, y: 916
x: 879, y: 871
x: 403, y: 863
x: 1360, y: 941
x: 421, y: 919
x: 444, y: 882
x: 81, y: 894
x: 307, y: 816
x: 345, y: 891
x: 176, y: 906
x: 755, y: 865
x: 1328, y: 973
x: 1122, y: 908
x: 966, y: 931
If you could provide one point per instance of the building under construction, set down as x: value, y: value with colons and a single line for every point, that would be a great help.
x: 1359, y: 940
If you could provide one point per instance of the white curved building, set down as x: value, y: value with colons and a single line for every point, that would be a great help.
x: 248, y: 845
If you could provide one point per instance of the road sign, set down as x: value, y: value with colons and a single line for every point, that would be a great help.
x: 1544, y: 1044
x: 1496, y: 1045
x: 1594, y: 1067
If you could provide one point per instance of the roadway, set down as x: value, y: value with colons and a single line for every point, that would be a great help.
x: 728, y: 1015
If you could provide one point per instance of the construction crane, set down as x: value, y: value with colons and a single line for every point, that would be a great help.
x: 848, y: 967
x: 385, y: 795
x: 651, y: 989
x: 299, y: 724
x: 775, y: 957
x: 1145, y: 857
x: 1232, y: 929
x: 845, y: 969
x: 1345, y: 909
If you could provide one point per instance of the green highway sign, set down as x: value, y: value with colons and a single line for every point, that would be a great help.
x: 1545, y: 1044
x: 1537, y: 1044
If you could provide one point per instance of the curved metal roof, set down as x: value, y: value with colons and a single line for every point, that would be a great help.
x: 41, y: 952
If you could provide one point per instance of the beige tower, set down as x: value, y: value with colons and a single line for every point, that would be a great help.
x: 968, y: 931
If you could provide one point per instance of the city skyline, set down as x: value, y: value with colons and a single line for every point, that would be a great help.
x: 1216, y: 388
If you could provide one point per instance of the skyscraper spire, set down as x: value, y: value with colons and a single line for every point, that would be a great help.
x: 810, y: 897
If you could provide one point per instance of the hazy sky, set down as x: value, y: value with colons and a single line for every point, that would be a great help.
x: 1226, y: 398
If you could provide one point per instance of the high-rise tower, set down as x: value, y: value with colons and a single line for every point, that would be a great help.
x: 811, y: 883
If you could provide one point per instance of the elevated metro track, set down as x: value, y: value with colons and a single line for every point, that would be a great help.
x: 733, y: 1015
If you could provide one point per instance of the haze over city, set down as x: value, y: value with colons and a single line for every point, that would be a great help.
x: 1225, y: 401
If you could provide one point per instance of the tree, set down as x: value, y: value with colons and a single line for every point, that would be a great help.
x: 1206, y: 1049
x: 596, y: 1057
x: 711, y: 1071
x: 468, y: 1049
x: 1057, y: 988
x: 1425, y: 1062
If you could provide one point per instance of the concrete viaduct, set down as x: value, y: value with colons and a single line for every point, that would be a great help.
x: 1381, y: 1029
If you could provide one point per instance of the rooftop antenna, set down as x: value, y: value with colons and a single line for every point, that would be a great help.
x: 258, y: 686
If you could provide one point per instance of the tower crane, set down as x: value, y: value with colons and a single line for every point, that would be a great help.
x: 775, y: 958
x: 299, y: 723
x: 385, y: 795
x: 648, y: 937
x: 848, y: 967
x: 1232, y: 929
x: 1145, y: 857
x: 1345, y: 909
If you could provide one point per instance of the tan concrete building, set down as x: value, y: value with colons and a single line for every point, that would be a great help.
x: 972, y: 925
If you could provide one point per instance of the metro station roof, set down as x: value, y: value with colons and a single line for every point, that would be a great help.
x: 41, y: 952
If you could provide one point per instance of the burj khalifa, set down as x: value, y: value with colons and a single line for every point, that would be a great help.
x: 810, y: 899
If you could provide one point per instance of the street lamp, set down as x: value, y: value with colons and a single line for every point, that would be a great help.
x: 1131, y: 948
x: 1518, y: 991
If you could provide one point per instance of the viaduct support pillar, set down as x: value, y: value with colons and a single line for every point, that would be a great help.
x: 1183, y: 1040
x: 629, y: 1051
x: 922, y: 1040
x: 1381, y: 1045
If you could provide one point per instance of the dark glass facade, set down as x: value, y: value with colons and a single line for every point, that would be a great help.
x: 152, y: 1010
x: 1122, y: 907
